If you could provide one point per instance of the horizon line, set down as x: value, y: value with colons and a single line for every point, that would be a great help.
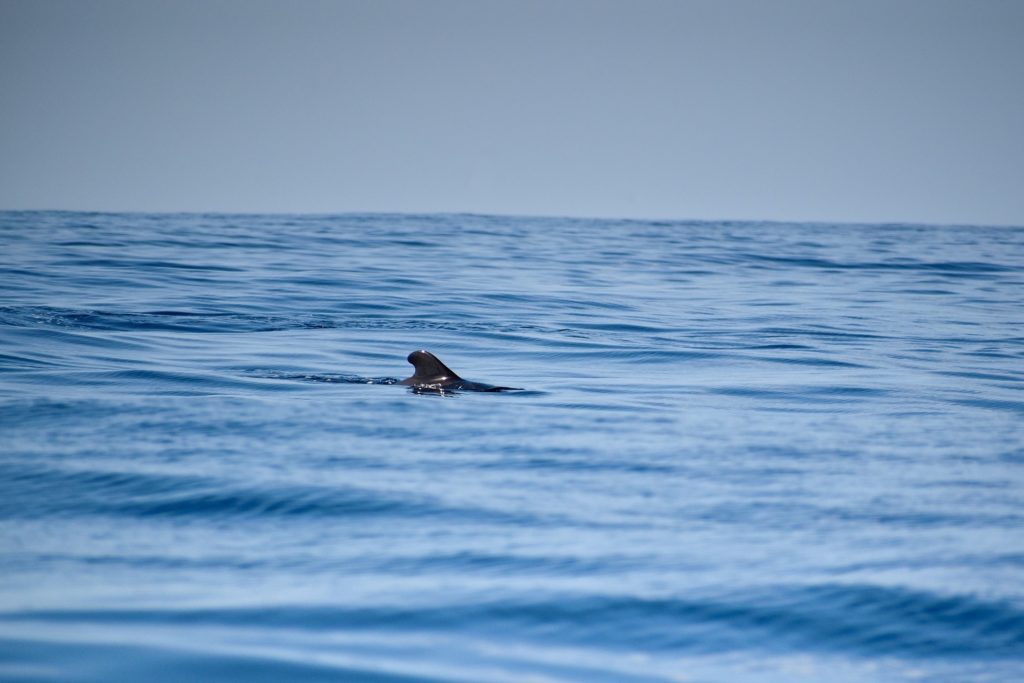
x: 773, y: 221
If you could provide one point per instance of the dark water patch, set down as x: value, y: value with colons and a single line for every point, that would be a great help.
x: 1004, y: 377
x: 888, y: 514
x: 37, y: 411
x: 990, y: 404
x: 220, y: 321
x: 392, y: 562
x: 620, y: 327
x: 13, y: 274
x: 949, y: 268
x: 634, y: 356
x: 1014, y: 456
x: 115, y: 244
x: 503, y: 565
x: 821, y: 362
x: 142, y: 264
x: 64, y: 346
x: 31, y: 491
x: 570, y: 460
x: 168, y: 321
x: 778, y: 347
x: 9, y: 362
x: 804, y: 394
x: 930, y: 292
x: 284, y: 501
x: 91, y: 661
x: 836, y: 334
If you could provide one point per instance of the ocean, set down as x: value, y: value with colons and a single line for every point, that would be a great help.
x: 742, y: 451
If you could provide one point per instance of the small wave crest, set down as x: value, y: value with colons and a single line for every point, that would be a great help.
x: 855, y: 620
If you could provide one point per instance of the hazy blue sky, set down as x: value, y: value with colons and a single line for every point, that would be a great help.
x: 855, y: 111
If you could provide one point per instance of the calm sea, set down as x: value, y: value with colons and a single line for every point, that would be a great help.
x: 743, y: 452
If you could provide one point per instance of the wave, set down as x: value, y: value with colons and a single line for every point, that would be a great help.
x: 948, y: 268
x: 852, y: 619
x: 168, y: 321
x: 36, y: 492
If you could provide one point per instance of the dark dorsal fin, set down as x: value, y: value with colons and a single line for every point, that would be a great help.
x: 429, y: 369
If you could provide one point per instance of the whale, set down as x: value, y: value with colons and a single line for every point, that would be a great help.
x: 432, y: 375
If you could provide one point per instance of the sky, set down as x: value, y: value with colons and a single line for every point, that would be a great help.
x: 803, y: 110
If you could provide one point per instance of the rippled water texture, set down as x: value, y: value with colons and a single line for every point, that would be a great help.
x: 743, y: 452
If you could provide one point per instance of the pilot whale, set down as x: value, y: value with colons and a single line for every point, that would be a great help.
x: 433, y: 375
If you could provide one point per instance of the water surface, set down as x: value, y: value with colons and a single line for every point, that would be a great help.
x: 744, y: 451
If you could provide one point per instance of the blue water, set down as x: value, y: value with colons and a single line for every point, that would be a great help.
x: 743, y: 452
